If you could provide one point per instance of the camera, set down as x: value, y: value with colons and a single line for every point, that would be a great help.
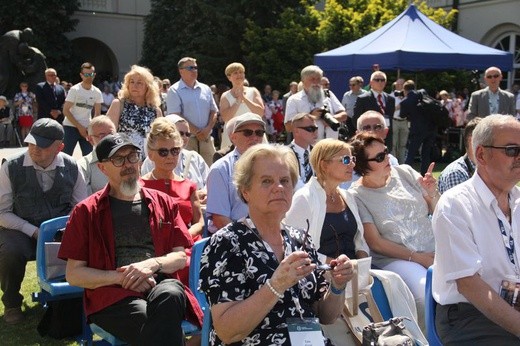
x: 332, y: 122
x: 398, y: 93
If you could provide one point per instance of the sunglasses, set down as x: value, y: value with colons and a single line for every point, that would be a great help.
x: 185, y: 134
x: 492, y: 76
x: 163, y: 152
x: 323, y: 266
x: 91, y: 74
x: 119, y: 161
x: 190, y: 68
x: 510, y: 150
x: 310, y: 129
x: 352, y: 85
x: 249, y: 133
x: 379, y: 80
x: 375, y: 128
x: 346, y: 160
x: 380, y: 157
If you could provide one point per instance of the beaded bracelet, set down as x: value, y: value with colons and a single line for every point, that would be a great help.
x: 335, y: 290
x: 411, y: 254
x: 275, y: 292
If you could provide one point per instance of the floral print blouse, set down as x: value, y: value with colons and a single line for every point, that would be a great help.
x: 135, y: 121
x: 236, y: 263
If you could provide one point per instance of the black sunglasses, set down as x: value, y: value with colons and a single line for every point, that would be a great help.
x: 190, y: 68
x: 380, y: 157
x: 163, y: 152
x: 249, y: 133
x: 510, y: 150
x: 492, y: 76
x: 119, y: 161
x: 379, y: 80
x: 310, y: 129
x: 185, y: 134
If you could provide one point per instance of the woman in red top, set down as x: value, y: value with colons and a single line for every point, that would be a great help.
x: 164, y: 144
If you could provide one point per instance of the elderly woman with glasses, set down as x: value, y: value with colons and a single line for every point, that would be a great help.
x: 164, y: 145
x: 260, y: 275
x: 394, y: 205
x: 239, y: 99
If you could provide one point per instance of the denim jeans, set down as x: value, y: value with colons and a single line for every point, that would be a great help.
x: 72, y: 137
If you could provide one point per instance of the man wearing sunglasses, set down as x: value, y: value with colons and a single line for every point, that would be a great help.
x: 305, y: 134
x: 491, y: 99
x: 377, y: 100
x: 125, y: 245
x: 224, y: 205
x: 194, y: 101
x: 349, y: 100
x: 81, y: 99
x: 477, y: 243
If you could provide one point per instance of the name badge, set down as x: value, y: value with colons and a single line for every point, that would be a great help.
x: 305, y: 332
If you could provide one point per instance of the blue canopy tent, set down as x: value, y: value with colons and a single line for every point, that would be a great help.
x: 410, y: 42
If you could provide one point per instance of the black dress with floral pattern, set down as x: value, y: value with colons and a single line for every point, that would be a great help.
x: 135, y: 121
x: 236, y: 262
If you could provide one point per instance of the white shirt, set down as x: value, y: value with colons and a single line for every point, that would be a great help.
x: 300, y: 152
x: 468, y: 238
x: 95, y: 179
x: 299, y: 103
x: 45, y: 178
x: 83, y: 101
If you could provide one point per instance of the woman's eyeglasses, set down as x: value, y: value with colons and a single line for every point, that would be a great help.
x: 119, y: 161
x: 510, y: 150
x: 185, y: 134
x: 310, y: 129
x: 380, y: 157
x: 163, y: 152
x: 346, y: 159
x: 249, y: 133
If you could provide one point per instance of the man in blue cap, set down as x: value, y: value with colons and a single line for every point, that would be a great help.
x: 40, y: 184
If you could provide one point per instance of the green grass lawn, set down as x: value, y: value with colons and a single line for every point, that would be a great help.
x: 26, y: 333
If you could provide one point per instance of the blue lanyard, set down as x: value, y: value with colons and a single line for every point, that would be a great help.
x: 509, y: 244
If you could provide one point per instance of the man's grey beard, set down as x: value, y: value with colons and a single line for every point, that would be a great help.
x: 315, y: 95
x: 129, y: 187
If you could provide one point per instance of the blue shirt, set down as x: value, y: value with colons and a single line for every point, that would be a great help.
x: 223, y: 196
x: 193, y: 104
x: 455, y: 173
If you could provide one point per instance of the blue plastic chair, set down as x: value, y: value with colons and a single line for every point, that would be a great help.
x: 57, y: 288
x: 196, y: 254
x: 429, y: 311
x: 379, y: 294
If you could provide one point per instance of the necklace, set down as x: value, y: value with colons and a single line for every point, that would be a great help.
x: 153, y: 176
x: 332, y: 196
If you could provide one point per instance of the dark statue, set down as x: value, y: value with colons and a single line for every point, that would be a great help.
x: 19, y: 61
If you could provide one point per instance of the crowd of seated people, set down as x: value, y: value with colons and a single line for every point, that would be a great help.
x: 263, y: 220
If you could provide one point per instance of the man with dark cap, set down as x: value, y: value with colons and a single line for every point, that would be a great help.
x: 40, y: 184
x: 125, y: 245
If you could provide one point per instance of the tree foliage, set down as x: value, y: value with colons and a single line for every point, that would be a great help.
x: 49, y: 20
x: 273, y: 39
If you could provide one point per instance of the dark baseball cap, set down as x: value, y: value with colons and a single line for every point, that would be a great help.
x: 110, y: 144
x: 44, y: 132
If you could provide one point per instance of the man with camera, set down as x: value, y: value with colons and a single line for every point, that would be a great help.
x: 319, y: 102
x: 377, y: 100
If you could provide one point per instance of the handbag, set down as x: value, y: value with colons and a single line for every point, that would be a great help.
x: 389, y: 333
x: 360, y: 309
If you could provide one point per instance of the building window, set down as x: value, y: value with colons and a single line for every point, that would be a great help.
x: 511, y: 43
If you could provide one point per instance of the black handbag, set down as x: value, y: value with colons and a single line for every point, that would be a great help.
x: 388, y: 333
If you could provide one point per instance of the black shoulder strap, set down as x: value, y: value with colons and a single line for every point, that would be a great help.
x: 469, y: 166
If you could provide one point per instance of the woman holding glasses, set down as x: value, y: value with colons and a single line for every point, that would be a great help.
x: 394, y: 205
x: 259, y: 274
x: 164, y: 146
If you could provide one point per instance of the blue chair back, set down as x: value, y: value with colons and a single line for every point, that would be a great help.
x: 379, y: 294
x: 196, y: 254
x: 57, y: 288
x: 429, y: 311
